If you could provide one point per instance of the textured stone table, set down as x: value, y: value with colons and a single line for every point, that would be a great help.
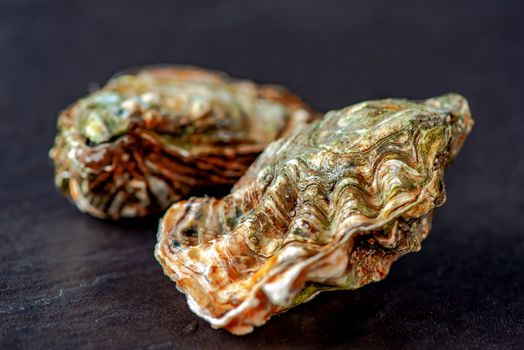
x: 69, y: 281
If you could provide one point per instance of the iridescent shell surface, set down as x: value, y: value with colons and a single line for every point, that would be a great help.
x: 330, y: 207
x: 148, y: 139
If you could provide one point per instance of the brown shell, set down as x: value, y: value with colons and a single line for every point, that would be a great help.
x: 149, y: 139
x: 330, y: 207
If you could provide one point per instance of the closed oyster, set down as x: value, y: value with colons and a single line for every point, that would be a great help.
x: 148, y: 139
x: 330, y: 207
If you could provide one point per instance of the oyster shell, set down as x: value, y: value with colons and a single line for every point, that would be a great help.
x: 330, y: 207
x: 148, y: 139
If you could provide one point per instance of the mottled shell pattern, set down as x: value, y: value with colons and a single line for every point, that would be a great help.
x: 148, y: 139
x: 330, y: 207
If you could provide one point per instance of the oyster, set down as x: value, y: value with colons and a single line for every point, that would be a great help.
x: 148, y: 139
x: 330, y: 207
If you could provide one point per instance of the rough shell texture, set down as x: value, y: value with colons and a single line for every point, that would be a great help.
x: 330, y: 207
x: 148, y: 139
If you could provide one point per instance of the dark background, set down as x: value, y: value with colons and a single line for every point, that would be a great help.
x: 70, y: 281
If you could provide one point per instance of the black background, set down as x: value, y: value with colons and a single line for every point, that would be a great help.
x: 71, y: 281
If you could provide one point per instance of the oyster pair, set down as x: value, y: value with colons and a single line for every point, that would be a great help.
x: 330, y: 205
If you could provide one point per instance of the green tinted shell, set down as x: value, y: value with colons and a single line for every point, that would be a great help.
x: 148, y: 139
x: 330, y: 207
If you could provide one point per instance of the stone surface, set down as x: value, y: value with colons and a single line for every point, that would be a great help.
x: 70, y: 281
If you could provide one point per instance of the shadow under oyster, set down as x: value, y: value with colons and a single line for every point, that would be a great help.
x: 331, y: 207
x: 148, y: 139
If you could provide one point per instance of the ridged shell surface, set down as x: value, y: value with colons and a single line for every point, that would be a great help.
x: 330, y: 207
x: 148, y: 139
